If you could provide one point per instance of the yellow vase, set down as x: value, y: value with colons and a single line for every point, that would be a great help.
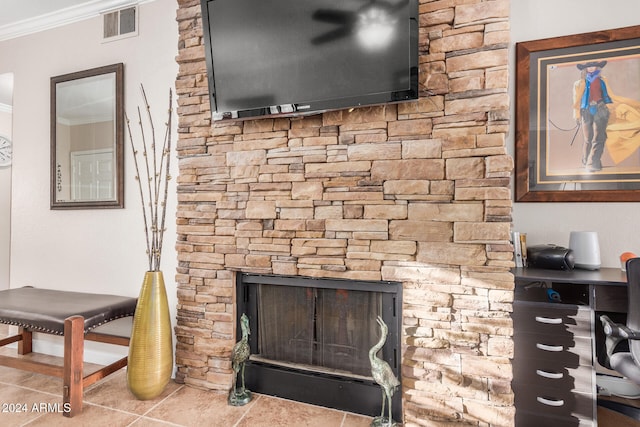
x: 150, y: 359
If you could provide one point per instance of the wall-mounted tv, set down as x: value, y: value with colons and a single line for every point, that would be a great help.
x: 293, y: 57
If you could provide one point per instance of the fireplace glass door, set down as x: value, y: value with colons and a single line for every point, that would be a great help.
x: 327, y: 330
x: 310, y: 338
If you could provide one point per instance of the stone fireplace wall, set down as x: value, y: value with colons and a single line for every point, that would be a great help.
x: 416, y: 192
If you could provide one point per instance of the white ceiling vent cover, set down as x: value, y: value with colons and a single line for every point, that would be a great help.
x: 121, y: 23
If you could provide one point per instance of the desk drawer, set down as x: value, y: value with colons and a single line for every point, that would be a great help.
x: 554, y: 403
x: 564, y: 349
x: 552, y: 319
x: 611, y: 298
x: 533, y: 419
x: 550, y: 373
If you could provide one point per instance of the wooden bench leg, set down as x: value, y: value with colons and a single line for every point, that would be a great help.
x: 24, y: 345
x: 73, y: 365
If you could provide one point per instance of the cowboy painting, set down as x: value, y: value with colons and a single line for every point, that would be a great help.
x: 607, y: 121
x: 590, y: 99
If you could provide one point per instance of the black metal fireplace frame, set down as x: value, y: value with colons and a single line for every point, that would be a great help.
x: 356, y: 395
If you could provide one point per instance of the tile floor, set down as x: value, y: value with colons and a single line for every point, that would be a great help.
x: 109, y: 403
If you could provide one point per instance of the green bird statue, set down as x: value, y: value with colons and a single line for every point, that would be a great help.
x: 384, y: 377
x: 239, y: 356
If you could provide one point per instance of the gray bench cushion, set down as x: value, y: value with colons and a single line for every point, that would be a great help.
x: 45, y: 310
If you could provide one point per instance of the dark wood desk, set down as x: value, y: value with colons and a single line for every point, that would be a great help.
x: 557, y: 342
x: 604, y: 276
x: 607, y: 287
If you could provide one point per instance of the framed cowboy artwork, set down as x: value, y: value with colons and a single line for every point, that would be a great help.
x: 578, y: 118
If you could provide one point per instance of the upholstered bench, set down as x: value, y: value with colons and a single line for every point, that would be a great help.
x: 78, y: 317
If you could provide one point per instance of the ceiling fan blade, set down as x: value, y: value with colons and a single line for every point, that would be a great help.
x: 340, y: 17
x: 331, y: 35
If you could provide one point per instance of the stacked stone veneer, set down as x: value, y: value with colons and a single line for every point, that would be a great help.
x: 416, y: 192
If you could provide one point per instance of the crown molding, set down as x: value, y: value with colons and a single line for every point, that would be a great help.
x: 62, y: 17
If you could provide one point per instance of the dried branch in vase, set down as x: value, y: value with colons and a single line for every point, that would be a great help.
x: 154, y: 185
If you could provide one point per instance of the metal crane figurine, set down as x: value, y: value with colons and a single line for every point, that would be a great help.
x: 383, y: 376
x: 239, y: 355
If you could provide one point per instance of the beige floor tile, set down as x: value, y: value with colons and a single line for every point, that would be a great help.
x: 275, y: 412
x: 19, y: 406
x: 92, y: 415
x: 44, y: 383
x: 113, y: 392
x: 31, y: 380
x: 355, y: 420
x: 193, y: 407
x: 149, y: 422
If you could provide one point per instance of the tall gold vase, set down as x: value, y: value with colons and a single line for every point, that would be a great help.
x: 150, y: 349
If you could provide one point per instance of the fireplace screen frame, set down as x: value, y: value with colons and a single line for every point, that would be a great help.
x: 344, y: 392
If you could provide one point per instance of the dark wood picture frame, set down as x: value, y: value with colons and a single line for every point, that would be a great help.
x: 549, y: 160
x: 88, y: 107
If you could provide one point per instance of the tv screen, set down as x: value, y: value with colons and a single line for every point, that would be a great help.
x: 291, y: 57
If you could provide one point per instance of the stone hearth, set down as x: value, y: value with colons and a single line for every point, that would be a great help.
x: 416, y: 193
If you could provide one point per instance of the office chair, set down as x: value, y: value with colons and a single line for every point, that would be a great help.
x: 627, y: 361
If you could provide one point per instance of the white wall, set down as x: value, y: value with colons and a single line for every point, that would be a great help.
x: 617, y: 224
x: 5, y: 204
x: 97, y: 250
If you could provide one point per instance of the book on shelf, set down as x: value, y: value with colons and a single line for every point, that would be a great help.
x: 523, y: 248
x: 519, y: 241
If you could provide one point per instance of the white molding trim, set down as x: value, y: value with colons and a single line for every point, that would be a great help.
x: 62, y: 17
x: 5, y: 108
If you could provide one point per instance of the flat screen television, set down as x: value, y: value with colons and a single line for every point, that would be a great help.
x: 294, y: 57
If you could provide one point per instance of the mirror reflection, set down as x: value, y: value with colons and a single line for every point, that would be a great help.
x: 87, y: 139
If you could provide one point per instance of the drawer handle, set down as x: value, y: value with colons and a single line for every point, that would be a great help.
x: 552, y: 375
x: 546, y: 347
x: 549, y: 320
x: 550, y: 402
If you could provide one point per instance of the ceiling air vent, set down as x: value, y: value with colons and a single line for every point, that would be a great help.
x: 120, y: 23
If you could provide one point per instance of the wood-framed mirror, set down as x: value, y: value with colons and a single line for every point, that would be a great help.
x: 87, y: 139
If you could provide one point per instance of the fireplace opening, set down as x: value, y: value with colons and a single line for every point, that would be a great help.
x: 310, y: 338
